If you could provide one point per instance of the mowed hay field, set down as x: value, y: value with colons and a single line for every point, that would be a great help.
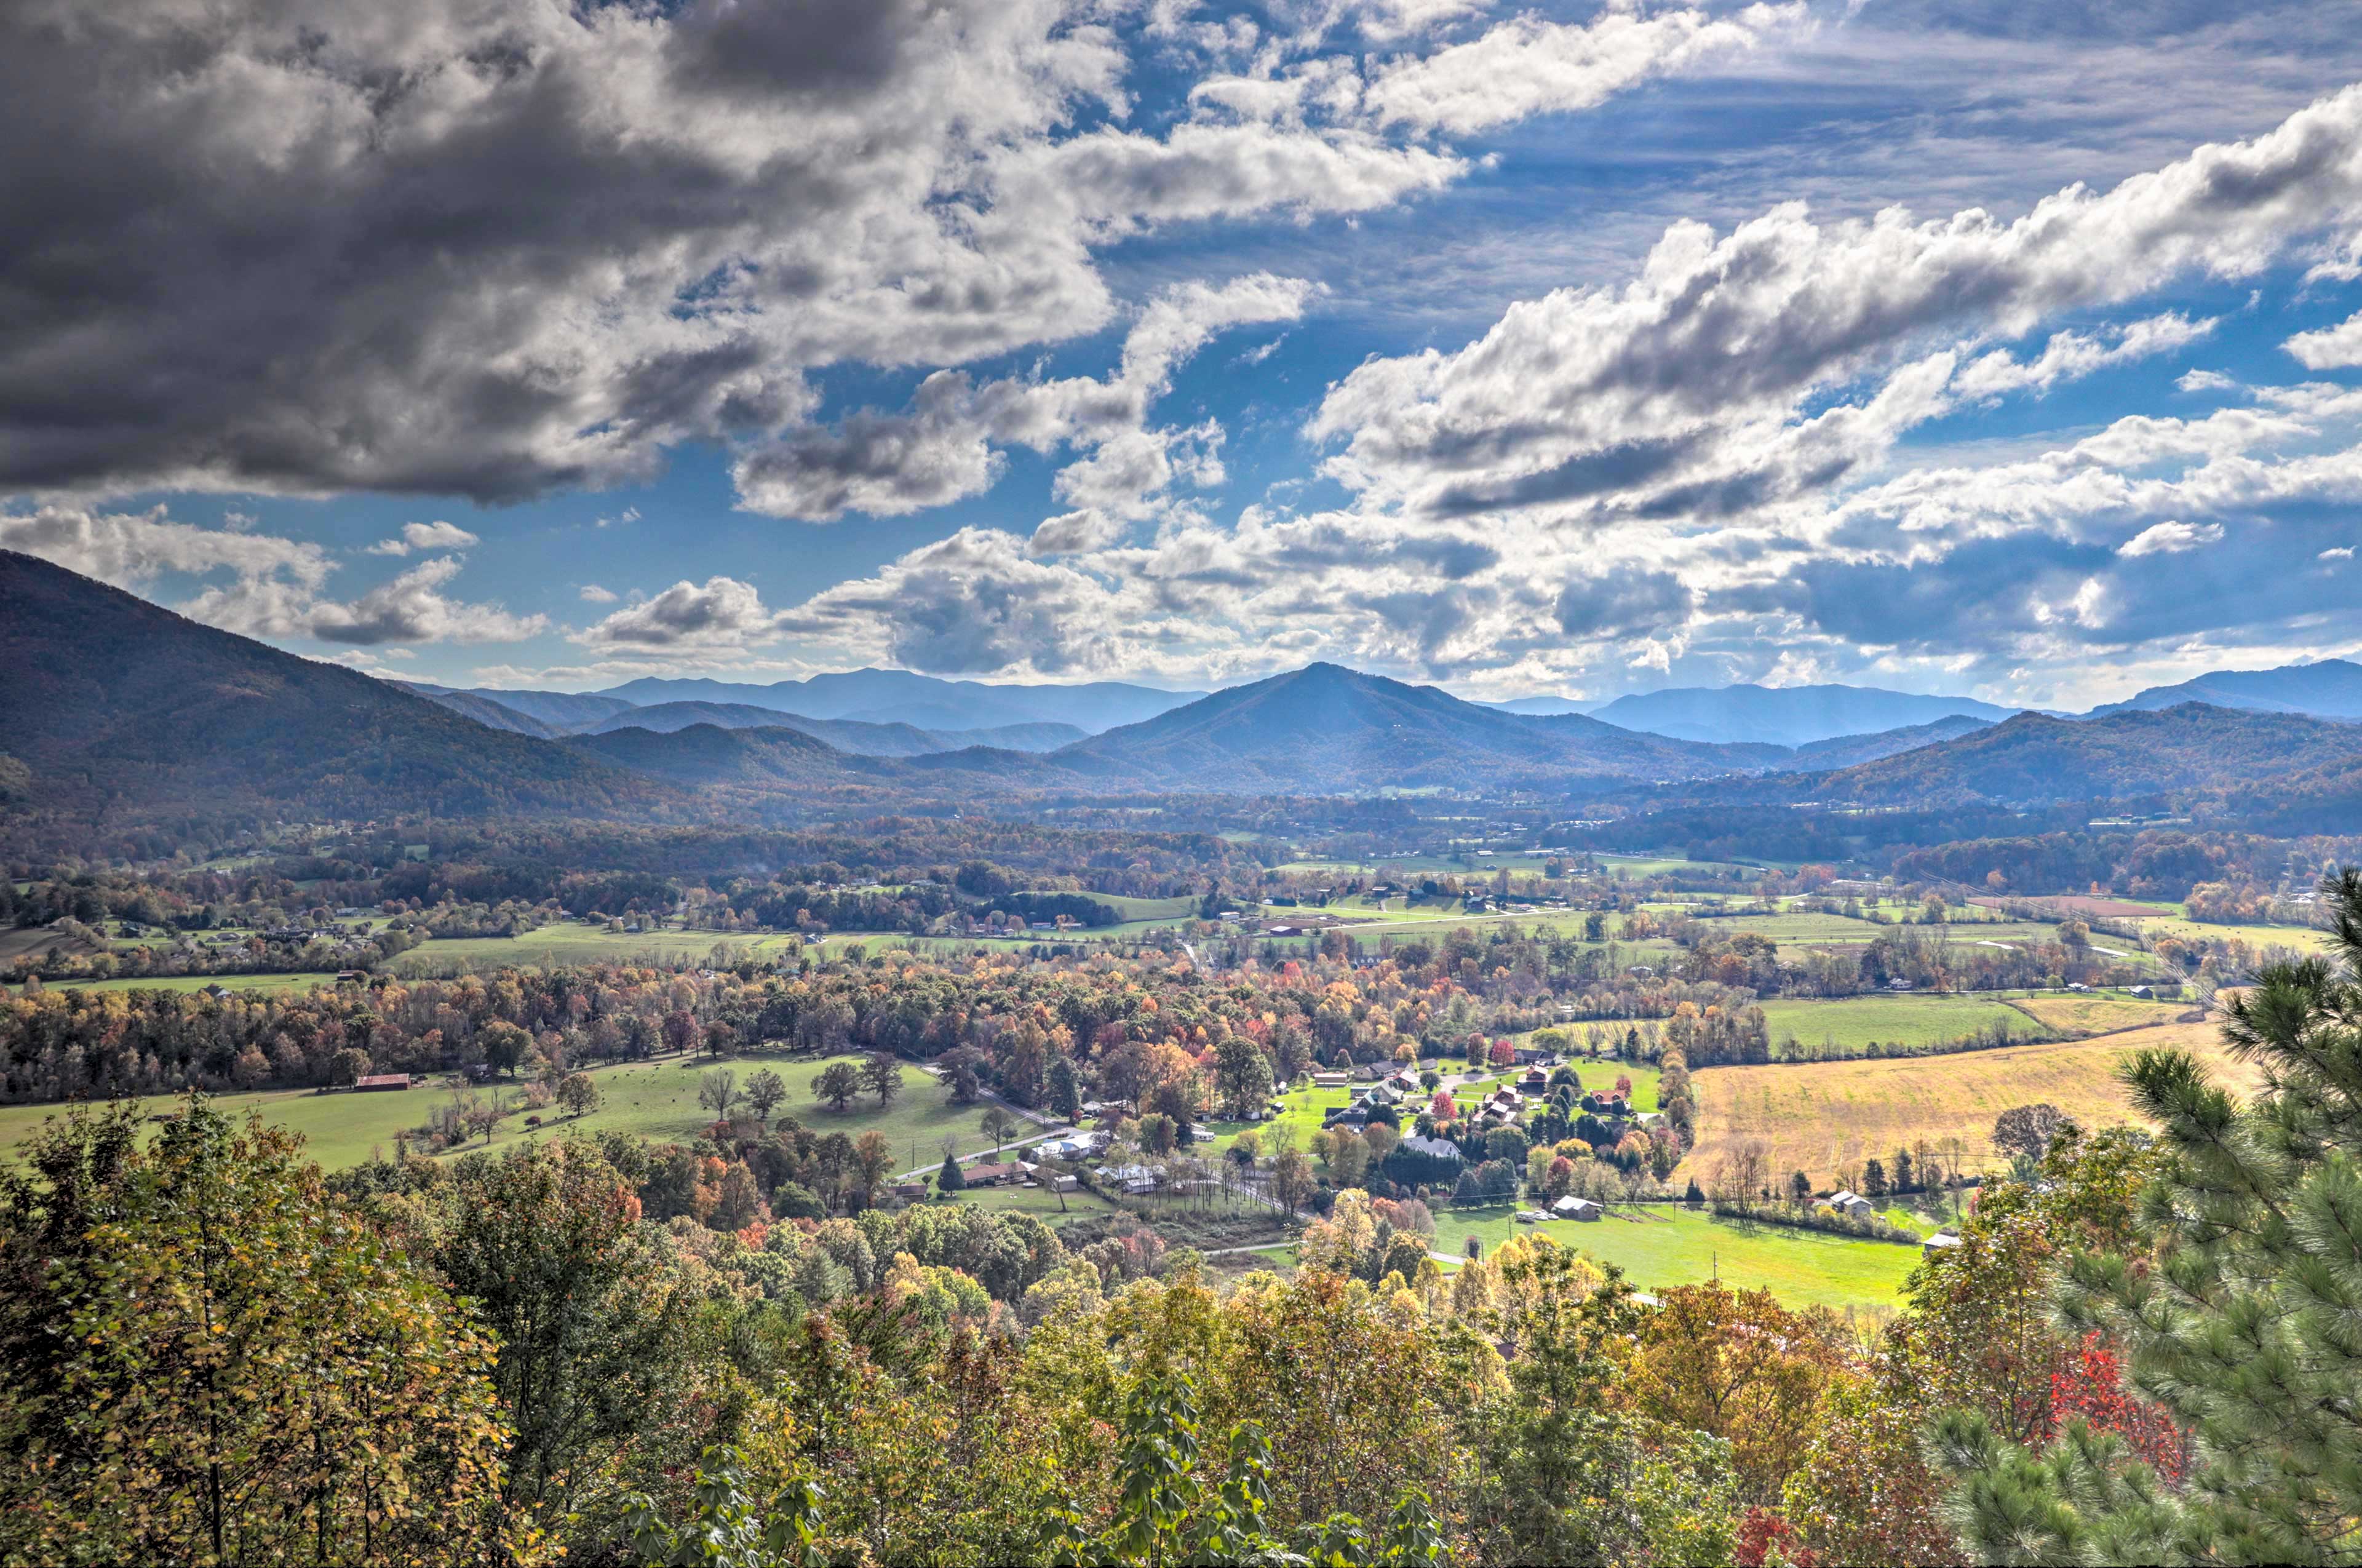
x: 2070, y: 1013
x: 1821, y: 1117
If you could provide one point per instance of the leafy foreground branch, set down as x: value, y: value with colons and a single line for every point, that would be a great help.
x: 1170, y: 1512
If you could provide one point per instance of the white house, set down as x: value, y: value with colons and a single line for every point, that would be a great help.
x: 1852, y: 1205
x: 1573, y: 1207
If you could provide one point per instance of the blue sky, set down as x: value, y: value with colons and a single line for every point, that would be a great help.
x: 2001, y: 348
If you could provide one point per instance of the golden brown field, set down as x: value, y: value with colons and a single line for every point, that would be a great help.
x: 1824, y: 1118
x: 2095, y: 1015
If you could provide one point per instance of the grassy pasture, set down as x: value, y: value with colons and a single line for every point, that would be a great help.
x: 1854, y: 1022
x: 1662, y: 1245
x: 266, y: 985
x: 1820, y: 1117
x: 650, y: 1099
x: 572, y: 944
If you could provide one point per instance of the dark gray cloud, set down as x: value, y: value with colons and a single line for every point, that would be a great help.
x: 1623, y: 604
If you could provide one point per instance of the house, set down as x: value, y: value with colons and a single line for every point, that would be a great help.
x: 909, y: 1191
x: 1534, y: 1081
x: 1063, y: 1183
x: 1851, y: 1205
x: 351, y: 977
x: 218, y: 991
x: 1331, y: 1080
x: 1434, y: 1148
x: 1640, y: 971
x: 1133, y: 1179
x: 1067, y: 1149
x: 1526, y: 1055
x: 989, y: 1172
x: 1941, y: 1241
x: 1282, y: 931
x: 1898, y: 984
x: 383, y: 1081
x: 2142, y: 991
x: 1228, y: 917
x: 1573, y: 1207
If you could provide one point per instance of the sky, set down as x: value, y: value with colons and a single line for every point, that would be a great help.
x: 2002, y: 347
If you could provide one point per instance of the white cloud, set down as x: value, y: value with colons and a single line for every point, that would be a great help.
x: 2070, y: 355
x: 412, y: 608
x: 2337, y: 553
x: 594, y: 594
x: 944, y: 447
x: 1685, y: 390
x: 2205, y: 381
x: 2331, y: 348
x: 2171, y: 540
x: 722, y: 613
x: 436, y: 535
x: 1531, y: 66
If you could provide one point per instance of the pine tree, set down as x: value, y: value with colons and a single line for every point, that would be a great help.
x: 2241, y: 1327
x: 949, y: 1178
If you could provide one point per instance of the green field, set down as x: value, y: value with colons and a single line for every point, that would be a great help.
x: 266, y: 985
x: 339, y: 1130
x: 651, y: 1100
x: 570, y: 944
x: 1669, y: 1245
x: 1852, y: 1023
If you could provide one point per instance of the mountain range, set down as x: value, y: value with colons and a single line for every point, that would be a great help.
x: 854, y: 736
x: 2328, y: 690
x: 163, y: 720
x: 1784, y: 715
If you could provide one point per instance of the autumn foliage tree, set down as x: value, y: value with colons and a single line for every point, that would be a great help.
x: 210, y: 1359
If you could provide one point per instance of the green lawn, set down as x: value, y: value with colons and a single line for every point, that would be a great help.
x: 1670, y: 1246
x: 1040, y: 1202
x: 1853, y: 1023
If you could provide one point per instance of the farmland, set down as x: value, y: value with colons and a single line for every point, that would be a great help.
x: 2096, y: 1012
x: 650, y: 1099
x: 1823, y: 1117
x: 266, y: 985
x: 1850, y: 1024
x: 1662, y: 1244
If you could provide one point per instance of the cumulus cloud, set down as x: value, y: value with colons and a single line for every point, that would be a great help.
x: 412, y: 608
x: 132, y: 549
x: 1638, y: 604
x: 725, y: 199
x: 1685, y: 390
x: 976, y: 603
x: 1531, y: 65
x: 2070, y: 355
x: 277, y: 587
x: 594, y: 594
x: 2337, y: 553
x: 721, y: 612
x: 2171, y: 540
x: 436, y: 535
x: 2331, y: 348
x: 943, y: 447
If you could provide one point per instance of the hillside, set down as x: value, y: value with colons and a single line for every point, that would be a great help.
x: 2330, y: 690
x: 850, y: 736
x: 1326, y: 729
x: 1789, y: 715
x: 128, y: 716
x: 700, y: 755
x: 922, y: 701
x: 484, y: 710
x: 2033, y: 760
x: 1846, y: 751
x: 564, y: 711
